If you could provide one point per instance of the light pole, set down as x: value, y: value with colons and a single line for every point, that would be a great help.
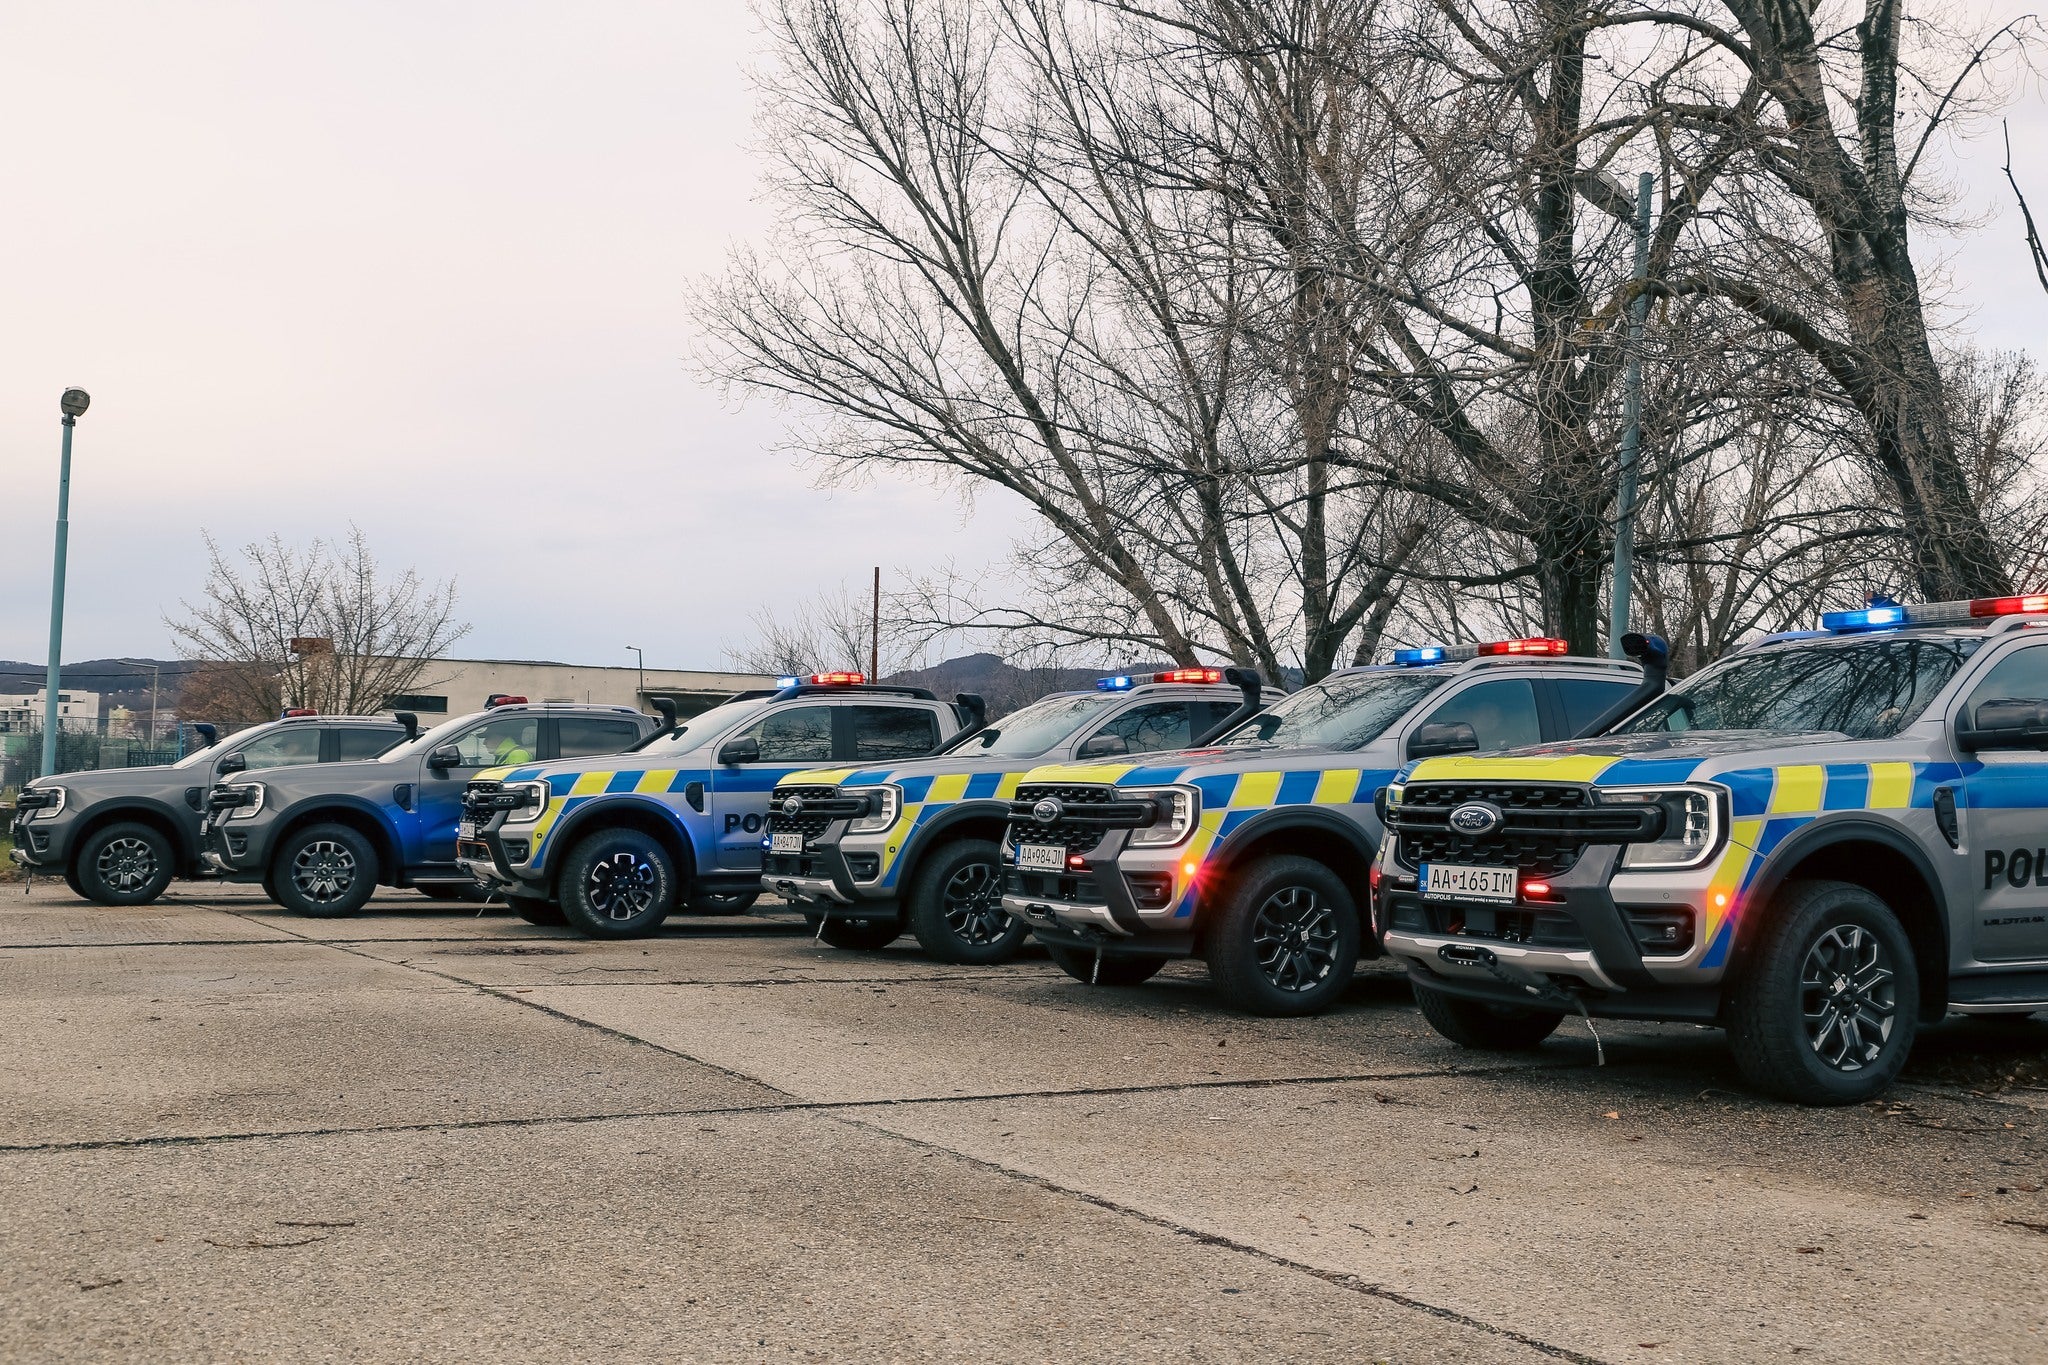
x: 139, y: 663
x: 73, y: 403
x: 642, y: 666
x: 1631, y: 432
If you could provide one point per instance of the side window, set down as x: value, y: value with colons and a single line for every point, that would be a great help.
x: 2020, y: 676
x: 1502, y: 713
x: 286, y: 748
x: 1585, y: 698
x: 1153, y: 726
x: 515, y: 739
x: 354, y: 742
x: 892, y: 732
x: 802, y: 734
x: 579, y: 736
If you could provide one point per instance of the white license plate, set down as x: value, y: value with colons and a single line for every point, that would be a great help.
x: 205, y: 824
x: 1042, y: 857
x: 466, y: 830
x: 786, y: 843
x: 1447, y: 881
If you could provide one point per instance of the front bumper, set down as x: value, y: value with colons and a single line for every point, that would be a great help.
x: 501, y: 858
x: 40, y: 843
x: 1632, y: 952
x: 1123, y: 899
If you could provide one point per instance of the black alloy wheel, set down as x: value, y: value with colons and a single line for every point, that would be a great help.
x: 1283, y: 938
x: 618, y: 884
x: 955, y: 905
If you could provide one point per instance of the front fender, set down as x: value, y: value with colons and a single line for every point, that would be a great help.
x: 595, y: 810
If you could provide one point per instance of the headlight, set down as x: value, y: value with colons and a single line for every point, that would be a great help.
x: 41, y: 803
x: 252, y: 801
x: 884, y: 804
x: 1179, y: 808
x: 533, y: 801
x: 1692, y: 826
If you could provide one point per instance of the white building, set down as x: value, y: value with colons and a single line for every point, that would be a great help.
x: 454, y: 687
x: 21, y: 712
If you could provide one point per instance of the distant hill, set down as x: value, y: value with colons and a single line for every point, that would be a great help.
x: 117, y: 683
x: 1004, y: 686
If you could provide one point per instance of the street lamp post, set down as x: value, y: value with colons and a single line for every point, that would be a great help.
x: 642, y: 665
x: 140, y: 663
x: 1623, y: 586
x: 73, y: 403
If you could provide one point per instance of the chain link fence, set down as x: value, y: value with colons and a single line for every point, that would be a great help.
x: 21, y: 753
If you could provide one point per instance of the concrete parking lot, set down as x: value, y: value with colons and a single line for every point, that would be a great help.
x: 428, y: 1133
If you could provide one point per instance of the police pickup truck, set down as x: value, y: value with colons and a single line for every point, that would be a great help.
x: 1246, y: 852
x: 1819, y: 843
x: 119, y: 836
x: 875, y: 850
x: 614, y: 846
x: 323, y: 838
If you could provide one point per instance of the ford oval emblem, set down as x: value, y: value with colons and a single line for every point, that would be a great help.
x: 1048, y: 811
x: 792, y: 806
x: 1476, y: 817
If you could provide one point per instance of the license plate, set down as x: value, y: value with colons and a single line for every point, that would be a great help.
x: 466, y: 830
x: 1447, y: 881
x: 205, y: 824
x: 791, y: 842
x: 1042, y: 857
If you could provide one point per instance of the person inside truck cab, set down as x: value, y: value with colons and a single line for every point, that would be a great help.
x: 514, y: 739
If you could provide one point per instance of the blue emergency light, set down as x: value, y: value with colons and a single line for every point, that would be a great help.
x: 1121, y: 682
x: 1428, y: 654
x: 1870, y: 618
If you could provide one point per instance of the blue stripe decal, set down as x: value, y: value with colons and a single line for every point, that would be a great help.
x: 915, y: 788
x: 1370, y: 781
x: 1752, y: 790
x: 1216, y: 789
x: 981, y: 786
x: 1928, y: 776
x: 559, y: 783
x: 2005, y: 786
x: 868, y: 777
x: 521, y: 774
x: 747, y: 780
x: 622, y: 782
x: 1848, y: 787
x: 1232, y: 820
x: 1152, y: 777
x: 1647, y: 772
x: 1297, y: 788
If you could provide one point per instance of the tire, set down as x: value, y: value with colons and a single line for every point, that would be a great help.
x: 1827, y: 1005
x: 1489, y: 1028
x: 862, y: 934
x: 324, y: 871
x: 618, y: 883
x: 534, y: 910
x: 127, y: 863
x: 1283, y: 940
x: 473, y: 892
x: 721, y: 902
x: 955, y: 906
x: 71, y: 880
x: 1119, y: 970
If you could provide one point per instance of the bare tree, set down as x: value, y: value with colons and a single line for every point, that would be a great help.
x: 314, y: 627
x: 832, y: 631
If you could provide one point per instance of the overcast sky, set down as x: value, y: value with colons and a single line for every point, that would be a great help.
x: 422, y: 266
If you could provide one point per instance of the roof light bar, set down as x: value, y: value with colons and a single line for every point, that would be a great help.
x: 1444, y: 654
x: 292, y: 712
x: 1884, y: 615
x: 839, y: 678
x: 1189, y: 675
x: 1121, y: 682
x: 503, y: 699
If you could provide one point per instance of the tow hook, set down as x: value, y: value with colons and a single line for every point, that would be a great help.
x: 1543, y: 988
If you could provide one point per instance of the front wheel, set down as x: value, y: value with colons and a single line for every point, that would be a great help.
x: 1101, y: 969
x: 1827, y: 1007
x: 956, y: 906
x: 618, y: 884
x: 1284, y: 938
x: 325, y: 871
x: 861, y: 934
x: 1489, y: 1028
x: 124, y: 864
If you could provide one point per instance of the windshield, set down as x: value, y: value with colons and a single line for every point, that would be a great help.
x: 1865, y: 689
x: 215, y: 750
x: 1345, y: 712
x: 433, y: 738
x: 699, y: 728
x: 1039, y: 726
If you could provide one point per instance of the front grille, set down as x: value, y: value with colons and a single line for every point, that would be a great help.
x: 1092, y: 810
x: 1531, y: 926
x: 1053, y: 886
x: 821, y: 806
x: 1544, y: 831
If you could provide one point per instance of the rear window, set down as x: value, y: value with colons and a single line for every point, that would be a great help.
x: 1586, y: 699
x: 356, y: 742
x: 884, y: 732
x: 580, y: 736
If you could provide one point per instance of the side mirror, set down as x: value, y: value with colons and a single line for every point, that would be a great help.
x: 445, y: 757
x: 745, y: 749
x: 2006, y: 725
x: 1103, y: 746
x: 1455, y: 738
x: 233, y: 763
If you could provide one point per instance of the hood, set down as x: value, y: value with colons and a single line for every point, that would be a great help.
x: 124, y: 781
x: 1614, y: 760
